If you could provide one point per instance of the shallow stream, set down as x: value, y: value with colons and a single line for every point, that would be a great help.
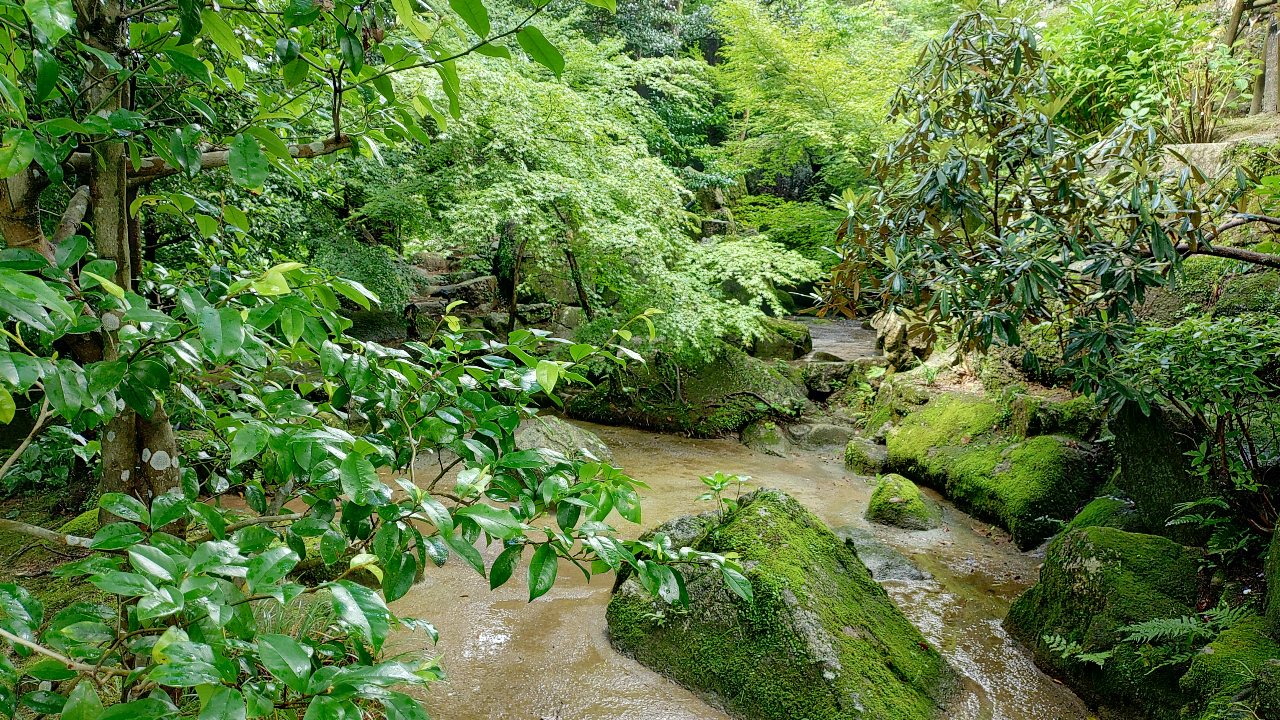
x: 511, y: 660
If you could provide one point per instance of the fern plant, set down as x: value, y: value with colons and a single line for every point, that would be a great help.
x: 1230, y: 541
x: 1072, y: 650
x: 1165, y: 642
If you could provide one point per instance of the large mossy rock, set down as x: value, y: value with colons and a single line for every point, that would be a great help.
x: 956, y: 443
x: 767, y: 437
x: 782, y: 340
x: 715, y: 399
x: 1095, y: 581
x: 864, y: 457
x: 897, y: 501
x: 1228, y: 668
x: 552, y: 433
x: 821, y: 641
x: 1154, y: 468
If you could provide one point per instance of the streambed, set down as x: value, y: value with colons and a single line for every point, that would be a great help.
x: 511, y: 660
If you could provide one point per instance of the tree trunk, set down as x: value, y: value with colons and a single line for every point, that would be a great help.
x: 139, y: 456
x: 1271, y: 63
x: 1232, y: 30
x: 577, y: 280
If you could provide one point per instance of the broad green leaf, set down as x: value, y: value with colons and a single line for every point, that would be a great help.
x: 83, y: 703
x: 222, y: 331
x: 122, y: 583
x: 53, y: 18
x: 247, y: 442
x: 270, y: 568
x: 117, y: 536
x: 286, y: 659
x: 124, y: 506
x: 495, y: 521
x: 7, y: 407
x: 189, y: 65
x: 737, y: 582
x: 466, y: 551
x: 542, y: 571
x: 362, y: 609
x: 249, y: 167
x: 540, y: 50
x: 222, y: 703
x: 360, y: 481
x: 474, y: 14
x: 190, y: 20
x: 151, y: 560
x: 17, y: 150
x: 547, y: 374
x: 504, y: 566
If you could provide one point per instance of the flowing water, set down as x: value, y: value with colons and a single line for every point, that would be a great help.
x: 511, y: 660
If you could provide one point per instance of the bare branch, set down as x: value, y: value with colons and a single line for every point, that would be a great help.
x: 153, y: 168
x: 39, y: 533
x: 260, y: 520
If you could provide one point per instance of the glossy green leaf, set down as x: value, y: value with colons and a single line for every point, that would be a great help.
x: 249, y: 167
x: 540, y: 50
x: 542, y: 571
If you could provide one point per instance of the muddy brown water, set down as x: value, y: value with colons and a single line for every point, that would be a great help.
x: 507, y: 659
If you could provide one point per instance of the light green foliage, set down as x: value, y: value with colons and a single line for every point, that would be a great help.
x: 897, y: 501
x: 820, y: 631
x: 808, y: 85
x: 806, y: 227
x: 571, y: 166
x: 1028, y: 486
x: 1111, y: 54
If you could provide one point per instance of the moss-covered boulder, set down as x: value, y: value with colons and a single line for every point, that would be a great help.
x: 1095, y: 581
x: 1077, y: 417
x: 1228, y: 668
x: 1267, y: 692
x: 552, y: 433
x: 1154, y: 469
x: 767, y: 437
x: 1254, y: 292
x: 1105, y: 511
x: 1028, y: 486
x: 782, y: 340
x: 822, y: 640
x: 864, y: 457
x: 714, y: 399
x: 897, y: 501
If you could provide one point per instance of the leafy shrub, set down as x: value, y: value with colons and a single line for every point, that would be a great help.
x: 1113, y: 53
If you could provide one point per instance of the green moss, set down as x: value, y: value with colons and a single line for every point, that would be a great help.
x: 1106, y: 511
x: 1095, y: 581
x: 84, y: 525
x: 863, y: 457
x: 1227, y: 667
x: 821, y: 641
x: 1267, y: 691
x: 1155, y: 471
x: 715, y: 399
x: 1273, y: 586
x: 782, y: 340
x: 953, y: 443
x: 897, y: 501
x: 1255, y: 292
